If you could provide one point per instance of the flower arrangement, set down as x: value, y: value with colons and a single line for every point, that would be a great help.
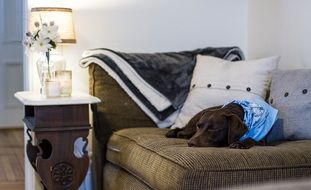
x: 43, y: 39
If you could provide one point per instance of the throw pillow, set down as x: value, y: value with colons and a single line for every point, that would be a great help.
x: 216, y: 81
x: 291, y: 95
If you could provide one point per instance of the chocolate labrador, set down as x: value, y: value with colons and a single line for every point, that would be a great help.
x: 215, y: 127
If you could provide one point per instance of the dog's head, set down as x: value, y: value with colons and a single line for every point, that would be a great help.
x: 216, y: 128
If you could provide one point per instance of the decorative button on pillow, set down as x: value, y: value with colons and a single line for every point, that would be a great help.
x: 290, y: 94
x: 216, y: 81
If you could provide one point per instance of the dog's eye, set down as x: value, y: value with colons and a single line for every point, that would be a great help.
x: 199, y: 125
x: 213, y: 130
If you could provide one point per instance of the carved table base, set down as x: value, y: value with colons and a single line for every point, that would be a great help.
x: 52, y: 154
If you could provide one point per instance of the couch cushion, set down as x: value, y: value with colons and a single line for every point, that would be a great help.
x: 291, y: 95
x: 117, y: 178
x: 165, y: 163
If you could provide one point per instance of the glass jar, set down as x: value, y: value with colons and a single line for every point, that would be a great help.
x: 47, y: 64
x: 65, y: 79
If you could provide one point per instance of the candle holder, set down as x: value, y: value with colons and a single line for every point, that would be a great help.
x: 52, y: 88
x: 65, y: 79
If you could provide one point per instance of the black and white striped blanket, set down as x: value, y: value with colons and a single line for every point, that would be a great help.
x: 157, y: 82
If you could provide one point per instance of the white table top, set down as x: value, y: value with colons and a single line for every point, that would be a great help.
x: 36, y: 99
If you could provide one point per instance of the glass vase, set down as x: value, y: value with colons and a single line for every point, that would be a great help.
x: 47, y: 64
x: 45, y: 69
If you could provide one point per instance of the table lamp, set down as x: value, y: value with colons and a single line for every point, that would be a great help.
x: 61, y: 16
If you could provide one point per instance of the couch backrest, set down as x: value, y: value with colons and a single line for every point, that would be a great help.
x: 117, y: 110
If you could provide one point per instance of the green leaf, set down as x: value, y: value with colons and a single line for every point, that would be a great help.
x: 53, y: 44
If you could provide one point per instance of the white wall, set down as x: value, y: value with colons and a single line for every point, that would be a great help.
x: 280, y: 27
x: 260, y: 27
x: 149, y: 26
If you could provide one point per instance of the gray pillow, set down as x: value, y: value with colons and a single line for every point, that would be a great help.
x: 291, y: 95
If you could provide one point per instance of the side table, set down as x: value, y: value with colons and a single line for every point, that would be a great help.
x: 56, y: 124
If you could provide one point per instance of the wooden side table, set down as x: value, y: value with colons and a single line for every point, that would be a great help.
x: 56, y: 124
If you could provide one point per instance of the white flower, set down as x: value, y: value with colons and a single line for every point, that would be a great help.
x: 51, y: 32
x: 43, y: 38
x: 41, y: 44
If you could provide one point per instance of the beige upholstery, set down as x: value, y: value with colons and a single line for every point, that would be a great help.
x: 165, y: 163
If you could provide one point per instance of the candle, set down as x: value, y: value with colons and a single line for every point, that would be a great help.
x: 64, y: 78
x: 52, y: 88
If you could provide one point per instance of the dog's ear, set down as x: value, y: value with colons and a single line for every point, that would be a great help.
x: 193, y: 121
x: 236, y: 128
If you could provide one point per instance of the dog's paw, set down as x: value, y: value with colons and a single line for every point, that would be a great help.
x: 245, y: 144
x: 184, y: 135
x: 238, y: 145
x: 172, y: 133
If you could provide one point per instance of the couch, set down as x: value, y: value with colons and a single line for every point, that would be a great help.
x: 130, y: 152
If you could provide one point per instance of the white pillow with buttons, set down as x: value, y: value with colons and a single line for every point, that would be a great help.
x: 216, y: 81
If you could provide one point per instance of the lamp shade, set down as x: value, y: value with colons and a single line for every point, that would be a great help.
x: 61, y: 17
